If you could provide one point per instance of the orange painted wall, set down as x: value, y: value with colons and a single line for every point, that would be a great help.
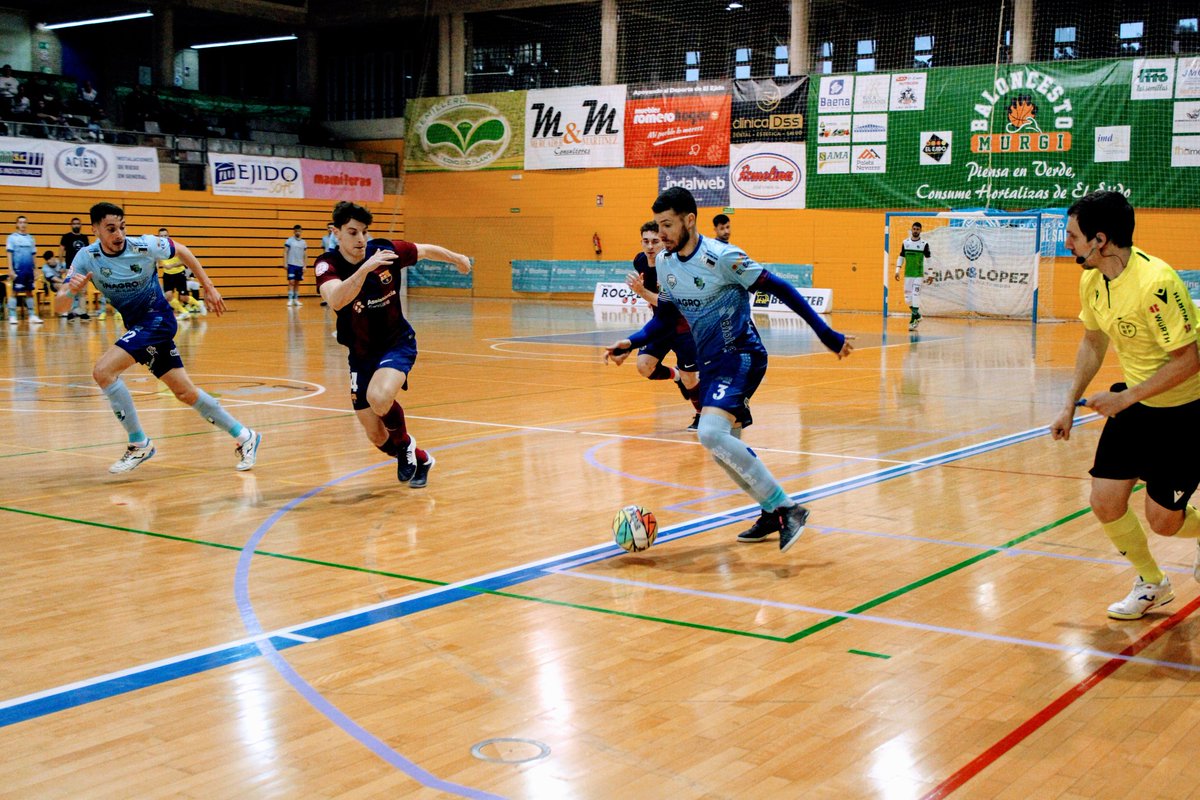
x: 500, y: 216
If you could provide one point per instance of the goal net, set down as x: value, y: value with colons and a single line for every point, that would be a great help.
x: 980, y: 264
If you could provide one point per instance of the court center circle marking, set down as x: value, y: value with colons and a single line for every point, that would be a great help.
x: 198, y: 378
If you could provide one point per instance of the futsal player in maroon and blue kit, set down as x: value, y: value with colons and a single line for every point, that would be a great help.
x: 360, y: 281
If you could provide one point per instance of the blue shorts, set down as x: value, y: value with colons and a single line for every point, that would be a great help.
x: 682, y: 343
x: 401, y: 357
x: 295, y: 273
x: 22, y: 282
x: 151, y: 341
x: 730, y: 380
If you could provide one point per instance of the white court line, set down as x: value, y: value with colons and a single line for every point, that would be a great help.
x: 899, y: 623
x: 228, y: 402
x: 600, y: 434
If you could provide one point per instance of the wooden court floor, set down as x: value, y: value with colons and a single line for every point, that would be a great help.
x: 314, y: 629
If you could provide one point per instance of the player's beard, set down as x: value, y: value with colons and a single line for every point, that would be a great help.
x: 684, y: 237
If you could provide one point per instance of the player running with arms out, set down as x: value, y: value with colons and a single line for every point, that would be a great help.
x: 360, y: 281
x: 913, y: 252
x: 644, y: 282
x: 1140, y: 304
x: 708, y: 283
x: 123, y: 270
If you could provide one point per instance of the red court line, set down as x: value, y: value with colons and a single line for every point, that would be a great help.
x: 1022, y: 732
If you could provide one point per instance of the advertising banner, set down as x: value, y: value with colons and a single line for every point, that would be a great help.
x: 768, y: 110
x: 820, y: 299
x: 342, y: 180
x: 254, y: 176
x: 681, y: 123
x: 617, y: 294
x: 22, y: 162
x: 709, y: 185
x: 981, y: 269
x: 1039, y: 135
x: 439, y: 274
x: 767, y: 175
x: 465, y: 132
x: 62, y: 165
x: 579, y: 127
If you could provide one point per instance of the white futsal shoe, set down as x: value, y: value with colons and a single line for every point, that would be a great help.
x: 1143, y: 597
x: 133, y: 458
x: 247, y: 452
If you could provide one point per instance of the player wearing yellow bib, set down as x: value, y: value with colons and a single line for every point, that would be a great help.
x: 913, y: 252
x: 174, y: 283
x: 1139, y: 303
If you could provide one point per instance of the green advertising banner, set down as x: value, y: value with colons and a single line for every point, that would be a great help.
x: 1019, y: 137
x: 465, y: 132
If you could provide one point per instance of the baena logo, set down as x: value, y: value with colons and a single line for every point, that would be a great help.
x: 82, y: 166
x: 766, y: 176
x: 1025, y: 111
x: 461, y: 134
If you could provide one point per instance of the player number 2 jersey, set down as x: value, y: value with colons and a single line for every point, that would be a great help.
x: 129, y: 279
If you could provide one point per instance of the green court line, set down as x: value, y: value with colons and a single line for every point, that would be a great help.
x: 802, y: 634
x: 928, y: 579
x: 383, y: 573
x: 123, y: 442
x: 867, y: 653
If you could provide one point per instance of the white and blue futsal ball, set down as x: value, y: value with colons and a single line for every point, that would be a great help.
x: 634, y: 528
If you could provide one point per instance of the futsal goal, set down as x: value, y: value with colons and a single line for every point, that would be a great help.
x: 986, y: 264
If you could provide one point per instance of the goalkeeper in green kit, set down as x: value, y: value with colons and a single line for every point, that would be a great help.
x: 913, y: 252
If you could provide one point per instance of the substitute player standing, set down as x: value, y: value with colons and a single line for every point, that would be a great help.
x: 123, y: 269
x: 913, y: 252
x: 1139, y: 303
x: 362, y: 285
x: 707, y: 283
x: 294, y: 260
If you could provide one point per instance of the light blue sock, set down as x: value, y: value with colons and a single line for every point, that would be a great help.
x: 12, y: 306
x: 31, y: 304
x: 738, y: 459
x: 207, y: 406
x: 122, y: 405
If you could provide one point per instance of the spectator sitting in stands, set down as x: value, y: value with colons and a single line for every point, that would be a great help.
x: 20, y: 111
x: 48, y: 112
x: 87, y: 99
x: 8, y: 89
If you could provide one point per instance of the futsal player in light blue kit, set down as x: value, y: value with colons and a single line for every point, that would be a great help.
x: 22, y: 250
x: 123, y: 269
x: 293, y: 261
x: 707, y: 282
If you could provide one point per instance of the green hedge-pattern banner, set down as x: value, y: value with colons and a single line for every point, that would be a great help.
x: 1025, y: 136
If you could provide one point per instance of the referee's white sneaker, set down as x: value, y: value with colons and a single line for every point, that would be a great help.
x: 1143, y: 597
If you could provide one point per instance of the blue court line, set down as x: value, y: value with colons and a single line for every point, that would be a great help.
x: 28, y: 707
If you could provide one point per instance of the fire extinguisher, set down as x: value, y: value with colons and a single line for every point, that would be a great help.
x: 596, y: 244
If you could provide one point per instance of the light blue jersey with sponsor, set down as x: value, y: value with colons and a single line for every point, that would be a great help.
x: 129, y: 280
x: 709, y: 288
x: 21, y: 251
x: 294, y: 251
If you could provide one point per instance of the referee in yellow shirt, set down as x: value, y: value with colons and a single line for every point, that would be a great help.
x: 1138, y: 303
x: 174, y: 283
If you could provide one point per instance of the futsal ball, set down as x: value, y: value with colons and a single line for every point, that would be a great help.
x: 634, y: 528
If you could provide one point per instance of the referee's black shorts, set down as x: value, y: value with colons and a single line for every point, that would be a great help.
x: 1153, y: 445
x: 174, y: 282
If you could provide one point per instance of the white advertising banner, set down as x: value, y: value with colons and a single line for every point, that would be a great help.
x: 617, y: 294
x: 103, y: 168
x: 820, y: 299
x: 256, y: 176
x: 767, y: 175
x: 22, y: 162
x: 62, y: 165
x: 578, y: 127
x: 981, y: 269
